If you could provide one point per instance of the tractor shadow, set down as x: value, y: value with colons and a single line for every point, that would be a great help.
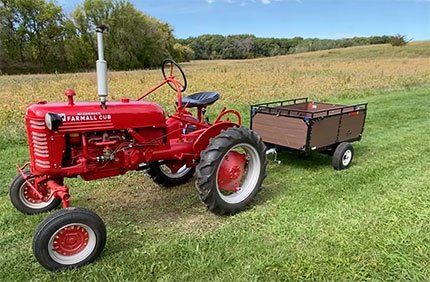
x: 135, y: 199
x: 133, y: 204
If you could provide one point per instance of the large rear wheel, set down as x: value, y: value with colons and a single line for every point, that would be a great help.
x: 231, y: 170
x: 69, y: 238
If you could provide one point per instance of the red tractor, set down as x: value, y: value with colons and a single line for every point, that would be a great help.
x: 95, y: 140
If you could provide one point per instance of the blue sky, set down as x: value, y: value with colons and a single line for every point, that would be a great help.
x: 290, y: 18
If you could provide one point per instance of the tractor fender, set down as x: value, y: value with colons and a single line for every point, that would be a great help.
x: 203, y: 140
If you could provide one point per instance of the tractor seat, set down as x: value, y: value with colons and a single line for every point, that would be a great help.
x: 200, y: 99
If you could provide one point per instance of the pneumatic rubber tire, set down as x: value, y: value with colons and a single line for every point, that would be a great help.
x: 159, y: 174
x: 210, y: 162
x: 342, y: 156
x: 18, y: 193
x: 69, y: 238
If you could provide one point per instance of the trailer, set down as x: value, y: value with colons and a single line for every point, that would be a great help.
x: 305, y: 126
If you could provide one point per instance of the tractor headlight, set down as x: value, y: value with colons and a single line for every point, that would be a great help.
x: 53, y: 121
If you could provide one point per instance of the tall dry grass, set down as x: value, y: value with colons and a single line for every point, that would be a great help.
x: 349, y: 71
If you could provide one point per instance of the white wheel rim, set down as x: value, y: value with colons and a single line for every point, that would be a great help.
x: 28, y: 203
x: 346, y: 158
x: 180, y: 173
x: 76, y: 258
x: 250, y: 178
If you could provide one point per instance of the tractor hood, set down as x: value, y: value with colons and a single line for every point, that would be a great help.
x: 89, y: 116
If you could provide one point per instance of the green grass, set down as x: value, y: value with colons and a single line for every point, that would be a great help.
x: 412, y: 50
x: 310, y: 222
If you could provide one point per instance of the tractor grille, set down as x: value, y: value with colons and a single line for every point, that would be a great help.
x: 38, y: 141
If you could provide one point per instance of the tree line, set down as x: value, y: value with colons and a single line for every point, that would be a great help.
x: 248, y: 46
x: 37, y: 36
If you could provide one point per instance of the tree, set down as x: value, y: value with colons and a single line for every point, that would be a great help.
x: 399, y: 40
x: 135, y: 40
x: 182, y: 53
x: 32, y: 34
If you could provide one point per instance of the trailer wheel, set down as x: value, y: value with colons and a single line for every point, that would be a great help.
x: 26, y: 201
x: 343, y: 155
x: 162, y: 175
x: 231, y: 170
x: 69, y: 238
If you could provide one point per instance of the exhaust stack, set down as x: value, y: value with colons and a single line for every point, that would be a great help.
x: 101, y: 67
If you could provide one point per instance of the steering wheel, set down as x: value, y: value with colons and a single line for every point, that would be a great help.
x: 170, y: 65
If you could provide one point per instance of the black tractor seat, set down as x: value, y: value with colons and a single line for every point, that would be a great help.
x: 200, y: 99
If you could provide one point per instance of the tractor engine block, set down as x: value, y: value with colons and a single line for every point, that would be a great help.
x: 104, y: 153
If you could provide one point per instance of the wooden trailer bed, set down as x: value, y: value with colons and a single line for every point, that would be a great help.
x: 302, y: 125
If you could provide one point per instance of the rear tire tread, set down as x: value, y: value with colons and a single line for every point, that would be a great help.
x: 210, y: 160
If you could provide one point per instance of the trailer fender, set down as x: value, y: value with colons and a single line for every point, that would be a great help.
x: 203, y: 140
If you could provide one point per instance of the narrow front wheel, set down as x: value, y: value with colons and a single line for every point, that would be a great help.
x: 26, y: 200
x: 69, y: 238
x: 163, y: 175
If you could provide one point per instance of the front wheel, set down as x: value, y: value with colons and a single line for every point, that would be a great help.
x: 69, y: 238
x: 24, y: 198
x: 163, y: 175
x: 231, y: 170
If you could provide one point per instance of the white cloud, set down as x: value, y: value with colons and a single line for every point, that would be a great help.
x: 266, y: 2
x: 210, y: 1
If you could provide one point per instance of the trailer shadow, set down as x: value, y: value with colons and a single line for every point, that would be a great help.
x: 291, y: 162
x: 314, y: 159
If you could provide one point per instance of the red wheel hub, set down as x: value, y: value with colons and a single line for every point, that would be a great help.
x: 31, y: 196
x: 175, y: 166
x: 70, y: 240
x: 231, y: 171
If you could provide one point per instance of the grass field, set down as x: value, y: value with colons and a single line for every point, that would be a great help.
x: 310, y: 222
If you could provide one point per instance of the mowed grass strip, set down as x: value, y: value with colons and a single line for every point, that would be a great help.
x: 310, y: 222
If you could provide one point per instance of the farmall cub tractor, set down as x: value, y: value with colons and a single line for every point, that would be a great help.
x: 96, y: 140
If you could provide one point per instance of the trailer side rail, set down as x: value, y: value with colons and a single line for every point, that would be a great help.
x: 309, y: 114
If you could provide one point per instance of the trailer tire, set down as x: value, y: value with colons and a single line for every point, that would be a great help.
x: 24, y: 200
x: 159, y: 174
x: 343, y: 155
x: 69, y: 238
x: 228, y: 180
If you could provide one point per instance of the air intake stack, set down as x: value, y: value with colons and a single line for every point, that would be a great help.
x: 101, y: 67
